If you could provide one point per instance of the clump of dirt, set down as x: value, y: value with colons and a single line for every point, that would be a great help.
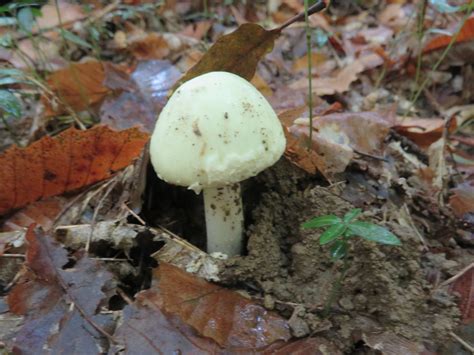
x: 384, y: 287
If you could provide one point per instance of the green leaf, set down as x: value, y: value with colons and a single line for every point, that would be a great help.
x: 9, y: 103
x: 352, y: 214
x: 339, y: 249
x: 321, y: 221
x: 71, y: 37
x: 332, y: 233
x: 373, y: 232
x: 25, y: 19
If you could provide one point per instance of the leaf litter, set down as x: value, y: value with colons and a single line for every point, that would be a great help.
x: 391, y: 300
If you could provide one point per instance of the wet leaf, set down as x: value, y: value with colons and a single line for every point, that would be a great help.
x: 238, y: 52
x: 59, y: 301
x: 332, y: 233
x: 373, y: 233
x: 322, y: 221
x: 230, y: 320
x: 67, y: 162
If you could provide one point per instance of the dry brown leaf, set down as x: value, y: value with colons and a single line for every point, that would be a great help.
x: 151, y: 46
x: 423, y: 131
x: 79, y: 86
x: 462, y: 199
x: 465, y: 35
x: 464, y: 287
x: 69, y: 12
x: 71, y: 160
x: 238, y: 52
x: 342, y: 81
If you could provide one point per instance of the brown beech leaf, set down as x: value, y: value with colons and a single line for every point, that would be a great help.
x: 150, y: 46
x: 462, y: 199
x: 60, y: 303
x: 465, y: 35
x: 423, y: 131
x: 43, y: 213
x: 79, y: 86
x: 337, y: 136
x: 464, y: 286
x: 238, y: 52
x: 342, y: 80
x: 191, y: 309
x: 67, y: 162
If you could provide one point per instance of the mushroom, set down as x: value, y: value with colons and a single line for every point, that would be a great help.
x: 215, y: 131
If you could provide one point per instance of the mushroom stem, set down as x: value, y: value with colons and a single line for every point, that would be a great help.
x: 224, y: 219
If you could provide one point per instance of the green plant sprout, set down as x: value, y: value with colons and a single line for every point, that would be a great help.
x: 340, y: 231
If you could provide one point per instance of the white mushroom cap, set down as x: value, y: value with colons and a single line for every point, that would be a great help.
x: 216, y: 129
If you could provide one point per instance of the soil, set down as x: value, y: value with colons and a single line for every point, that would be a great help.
x: 384, y: 288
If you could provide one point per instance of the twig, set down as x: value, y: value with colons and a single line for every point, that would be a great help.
x: 461, y: 341
x: 124, y: 205
x: 310, y: 73
x: 457, y: 276
x: 124, y: 296
x: 319, y: 6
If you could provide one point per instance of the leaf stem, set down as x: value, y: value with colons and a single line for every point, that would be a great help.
x: 442, y: 57
x: 310, y: 73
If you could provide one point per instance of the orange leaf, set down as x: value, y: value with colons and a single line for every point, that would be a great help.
x: 71, y: 160
x: 423, y: 131
x: 238, y: 52
x: 466, y: 34
x: 215, y: 312
x: 79, y: 86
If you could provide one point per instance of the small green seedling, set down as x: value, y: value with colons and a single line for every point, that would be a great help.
x: 341, y: 230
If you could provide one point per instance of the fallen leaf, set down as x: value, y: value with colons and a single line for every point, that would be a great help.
x: 342, y: 81
x: 42, y: 213
x: 141, y: 105
x: 61, y: 303
x: 464, y: 287
x: 462, y: 199
x: 78, y: 86
x: 238, y: 52
x: 216, y: 313
x: 151, y: 46
x: 423, y: 131
x: 390, y: 344
x: 465, y: 35
x: 50, y: 14
x: 197, y: 30
x: 67, y: 162
x: 338, y: 135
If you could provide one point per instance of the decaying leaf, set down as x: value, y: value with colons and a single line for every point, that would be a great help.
x: 342, y: 81
x: 43, y: 213
x: 465, y: 35
x: 338, y: 135
x: 462, y: 199
x: 199, y: 308
x: 464, y: 287
x: 61, y: 304
x: 238, y: 52
x: 423, y: 131
x: 71, y: 160
x: 150, y: 46
x: 78, y: 86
